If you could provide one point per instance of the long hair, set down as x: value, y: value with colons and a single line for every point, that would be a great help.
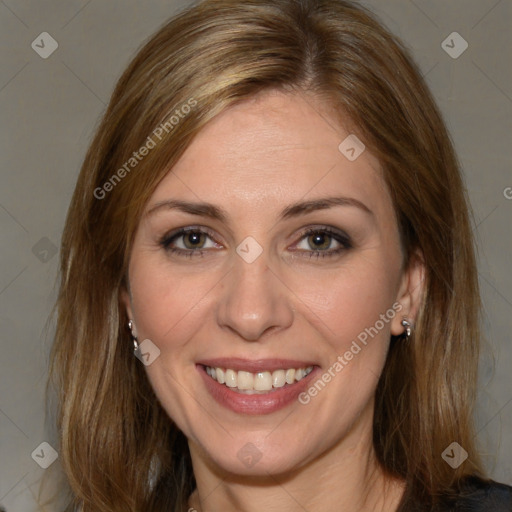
x: 119, y: 449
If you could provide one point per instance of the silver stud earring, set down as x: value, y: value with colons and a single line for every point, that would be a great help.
x: 407, y: 329
x: 135, y: 340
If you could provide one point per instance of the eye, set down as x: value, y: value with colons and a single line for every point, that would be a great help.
x: 189, y: 241
x: 192, y: 240
x: 323, y: 242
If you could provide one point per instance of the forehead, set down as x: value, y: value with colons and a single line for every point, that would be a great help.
x: 272, y: 149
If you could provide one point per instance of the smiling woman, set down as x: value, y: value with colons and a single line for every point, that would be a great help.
x: 284, y: 308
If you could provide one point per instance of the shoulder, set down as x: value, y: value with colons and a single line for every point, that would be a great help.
x: 479, y: 495
x: 471, y: 494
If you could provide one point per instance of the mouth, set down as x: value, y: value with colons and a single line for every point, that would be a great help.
x: 257, y: 383
x: 256, y: 387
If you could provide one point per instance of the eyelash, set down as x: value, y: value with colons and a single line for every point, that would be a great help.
x: 167, y: 239
x: 340, y: 237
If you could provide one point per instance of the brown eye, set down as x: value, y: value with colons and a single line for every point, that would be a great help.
x: 194, y: 239
x: 190, y: 241
x: 319, y: 241
x: 323, y: 242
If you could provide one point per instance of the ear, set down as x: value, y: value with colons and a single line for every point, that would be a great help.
x: 410, y: 293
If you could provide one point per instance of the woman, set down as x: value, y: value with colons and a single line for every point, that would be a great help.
x: 271, y: 218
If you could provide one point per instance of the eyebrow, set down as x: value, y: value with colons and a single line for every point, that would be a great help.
x: 293, y: 210
x: 302, y: 208
x: 203, y: 209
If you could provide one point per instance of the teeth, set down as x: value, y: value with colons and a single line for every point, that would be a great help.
x: 251, y: 383
x: 278, y: 379
x: 231, y: 379
x: 263, y: 381
x: 220, y: 375
x: 245, y: 380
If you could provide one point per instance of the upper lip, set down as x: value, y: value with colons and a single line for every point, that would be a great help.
x: 254, y: 365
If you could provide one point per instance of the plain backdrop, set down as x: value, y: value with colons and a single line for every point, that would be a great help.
x: 50, y: 107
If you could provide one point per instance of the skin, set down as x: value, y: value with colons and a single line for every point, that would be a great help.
x: 254, y: 160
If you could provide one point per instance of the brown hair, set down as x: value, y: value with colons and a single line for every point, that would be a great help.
x: 119, y: 449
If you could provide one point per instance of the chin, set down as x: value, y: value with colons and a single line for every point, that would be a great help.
x: 257, y: 455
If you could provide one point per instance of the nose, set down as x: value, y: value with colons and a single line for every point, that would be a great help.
x: 254, y: 300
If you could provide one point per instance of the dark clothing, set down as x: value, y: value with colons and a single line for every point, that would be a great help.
x: 480, y: 495
x: 476, y: 495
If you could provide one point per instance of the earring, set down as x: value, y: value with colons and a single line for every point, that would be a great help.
x: 135, y: 340
x: 407, y: 329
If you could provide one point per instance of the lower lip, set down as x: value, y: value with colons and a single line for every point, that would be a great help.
x: 258, y: 403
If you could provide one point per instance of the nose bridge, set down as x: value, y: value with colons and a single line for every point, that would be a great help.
x: 253, y: 300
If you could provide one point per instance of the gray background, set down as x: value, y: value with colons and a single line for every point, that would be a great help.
x: 51, y: 106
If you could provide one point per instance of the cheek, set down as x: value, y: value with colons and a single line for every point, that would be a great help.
x: 169, y: 309
x: 167, y: 304
x: 350, y: 301
x: 352, y: 309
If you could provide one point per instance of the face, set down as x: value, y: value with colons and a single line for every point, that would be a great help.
x: 270, y: 259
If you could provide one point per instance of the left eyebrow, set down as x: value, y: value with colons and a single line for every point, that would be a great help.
x: 305, y: 207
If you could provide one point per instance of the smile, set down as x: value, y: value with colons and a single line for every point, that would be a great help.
x: 258, y: 387
x: 257, y: 383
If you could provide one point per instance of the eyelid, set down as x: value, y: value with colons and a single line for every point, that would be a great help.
x: 168, y: 237
x: 339, y: 235
x: 336, y: 234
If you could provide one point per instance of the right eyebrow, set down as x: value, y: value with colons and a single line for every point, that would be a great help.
x: 203, y: 209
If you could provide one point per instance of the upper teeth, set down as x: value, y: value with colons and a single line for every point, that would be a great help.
x: 260, y: 381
